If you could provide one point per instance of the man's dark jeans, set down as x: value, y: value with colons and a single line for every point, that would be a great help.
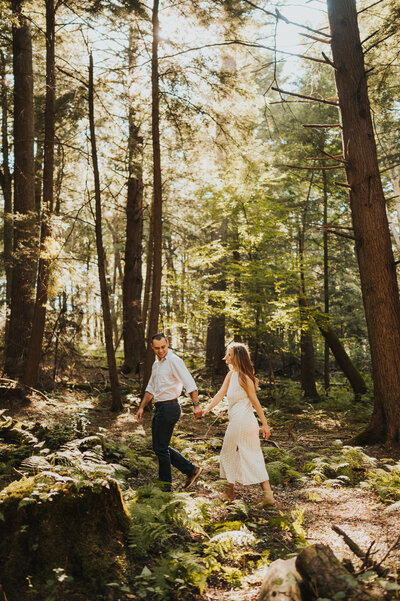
x: 162, y: 427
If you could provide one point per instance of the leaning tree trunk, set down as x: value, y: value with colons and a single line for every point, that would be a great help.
x: 45, y: 260
x: 339, y: 352
x: 157, y: 198
x: 371, y: 230
x: 25, y: 226
x: 6, y: 186
x: 132, y: 328
x: 116, y: 404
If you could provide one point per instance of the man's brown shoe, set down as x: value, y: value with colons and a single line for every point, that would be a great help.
x: 192, y: 477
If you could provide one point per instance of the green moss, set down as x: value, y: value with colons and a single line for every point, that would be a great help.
x: 279, y: 472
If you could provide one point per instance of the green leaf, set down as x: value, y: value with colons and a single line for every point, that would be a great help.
x: 145, y: 572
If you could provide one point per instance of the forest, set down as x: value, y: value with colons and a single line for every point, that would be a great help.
x: 222, y: 172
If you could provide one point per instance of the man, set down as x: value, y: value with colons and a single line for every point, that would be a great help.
x: 168, y: 376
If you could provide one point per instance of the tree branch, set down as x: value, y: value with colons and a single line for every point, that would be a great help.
x: 312, y: 98
x: 323, y: 125
x: 278, y: 15
x: 325, y: 168
x: 370, y: 6
x: 379, y: 42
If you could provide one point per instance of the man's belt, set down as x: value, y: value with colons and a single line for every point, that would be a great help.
x: 170, y: 402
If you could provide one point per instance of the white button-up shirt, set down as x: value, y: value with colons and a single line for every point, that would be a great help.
x: 168, y: 376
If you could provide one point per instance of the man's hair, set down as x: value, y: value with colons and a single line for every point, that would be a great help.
x: 159, y: 336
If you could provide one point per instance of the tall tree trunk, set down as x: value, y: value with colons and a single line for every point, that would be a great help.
x: 215, y: 342
x: 6, y: 185
x: 149, y: 272
x: 132, y: 328
x: 306, y: 341
x: 326, y: 277
x: 25, y: 226
x: 373, y: 244
x: 157, y: 197
x: 116, y: 404
x: 45, y: 260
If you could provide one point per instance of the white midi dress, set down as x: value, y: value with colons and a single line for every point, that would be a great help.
x: 241, y: 458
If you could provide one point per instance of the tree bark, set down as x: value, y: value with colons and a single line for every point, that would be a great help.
x: 149, y: 271
x: 215, y: 342
x: 132, y: 328
x: 6, y: 185
x: 116, y: 404
x: 371, y: 230
x: 134, y: 348
x: 25, y: 227
x: 306, y: 341
x: 157, y: 197
x: 326, y: 277
x: 45, y: 260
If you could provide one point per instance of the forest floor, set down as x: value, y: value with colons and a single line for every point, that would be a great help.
x: 315, y: 501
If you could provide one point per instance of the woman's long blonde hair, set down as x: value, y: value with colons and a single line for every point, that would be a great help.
x: 243, y: 364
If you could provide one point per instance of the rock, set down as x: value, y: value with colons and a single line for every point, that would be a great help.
x: 281, y: 582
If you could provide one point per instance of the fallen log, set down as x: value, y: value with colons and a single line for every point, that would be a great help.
x: 326, y: 577
x: 281, y: 582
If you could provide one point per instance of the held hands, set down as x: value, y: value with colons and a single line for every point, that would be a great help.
x: 266, y: 431
x: 197, y: 411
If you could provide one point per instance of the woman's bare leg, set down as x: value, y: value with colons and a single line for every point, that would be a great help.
x: 268, y: 496
x: 229, y: 493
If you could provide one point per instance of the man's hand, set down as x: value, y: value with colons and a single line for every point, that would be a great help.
x: 139, y: 415
x: 197, y: 411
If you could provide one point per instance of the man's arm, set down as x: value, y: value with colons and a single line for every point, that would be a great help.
x: 145, y: 401
x: 184, y: 375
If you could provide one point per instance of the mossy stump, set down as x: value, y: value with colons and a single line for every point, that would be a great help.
x: 48, y: 525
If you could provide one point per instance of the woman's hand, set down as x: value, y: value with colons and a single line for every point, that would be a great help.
x: 266, y: 431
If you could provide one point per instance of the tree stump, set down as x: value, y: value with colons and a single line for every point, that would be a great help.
x: 50, y: 523
x: 282, y: 582
x: 325, y: 576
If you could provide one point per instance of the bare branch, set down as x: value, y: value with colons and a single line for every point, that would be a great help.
x: 311, y: 98
x: 370, y: 6
x: 379, y: 42
x: 323, y: 125
x: 328, y: 60
x: 389, y: 168
x: 336, y: 157
x: 313, y: 37
x: 343, y: 185
x: 324, y: 168
x: 278, y: 15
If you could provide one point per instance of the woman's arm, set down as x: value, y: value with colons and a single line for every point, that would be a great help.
x: 251, y: 392
x: 220, y: 394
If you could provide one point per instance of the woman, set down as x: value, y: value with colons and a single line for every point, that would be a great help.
x: 241, y: 458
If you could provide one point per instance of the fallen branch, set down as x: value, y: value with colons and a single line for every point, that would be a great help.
x: 367, y: 561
